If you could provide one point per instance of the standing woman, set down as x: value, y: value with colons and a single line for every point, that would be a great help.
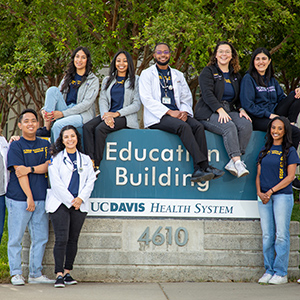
x: 119, y: 103
x: 263, y: 98
x: 276, y: 167
x: 73, y: 101
x: 72, y: 179
x: 219, y: 109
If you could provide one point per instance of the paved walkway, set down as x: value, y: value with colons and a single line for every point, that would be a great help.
x: 152, y: 291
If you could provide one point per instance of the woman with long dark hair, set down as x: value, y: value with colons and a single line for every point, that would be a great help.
x: 263, y: 98
x: 72, y: 179
x: 73, y: 101
x: 119, y: 103
x: 219, y: 108
x: 276, y: 167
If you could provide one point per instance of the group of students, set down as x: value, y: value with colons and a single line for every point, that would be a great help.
x: 229, y: 106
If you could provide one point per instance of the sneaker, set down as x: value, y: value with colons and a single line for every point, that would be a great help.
x: 296, y: 184
x: 68, y: 279
x: 59, y: 283
x: 265, y: 278
x: 278, y: 279
x: 41, y: 279
x: 202, y: 175
x: 17, y: 280
x: 231, y: 168
x: 298, y: 280
x: 241, y: 168
x: 217, y: 173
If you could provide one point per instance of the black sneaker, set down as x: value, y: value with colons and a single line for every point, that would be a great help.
x: 202, y: 175
x: 59, y: 283
x: 69, y: 280
x: 217, y: 173
x: 296, y: 184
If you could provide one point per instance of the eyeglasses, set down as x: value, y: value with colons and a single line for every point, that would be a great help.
x: 159, y: 52
x: 224, y: 52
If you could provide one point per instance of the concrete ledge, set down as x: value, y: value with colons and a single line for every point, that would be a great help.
x: 222, y: 250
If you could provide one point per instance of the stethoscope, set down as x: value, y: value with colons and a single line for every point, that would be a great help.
x: 80, y: 169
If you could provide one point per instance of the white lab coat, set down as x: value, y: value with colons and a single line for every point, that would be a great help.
x: 4, y: 149
x: 60, y: 174
x: 150, y: 95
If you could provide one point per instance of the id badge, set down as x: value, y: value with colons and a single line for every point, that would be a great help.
x: 166, y: 100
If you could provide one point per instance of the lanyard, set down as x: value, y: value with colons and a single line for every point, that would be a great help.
x: 166, y: 86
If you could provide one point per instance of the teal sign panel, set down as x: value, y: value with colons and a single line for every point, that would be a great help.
x: 154, y: 164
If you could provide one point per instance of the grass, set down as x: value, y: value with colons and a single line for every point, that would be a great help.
x: 4, y: 267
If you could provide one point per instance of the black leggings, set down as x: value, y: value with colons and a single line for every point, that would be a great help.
x: 288, y: 107
x: 67, y: 224
x: 94, y: 136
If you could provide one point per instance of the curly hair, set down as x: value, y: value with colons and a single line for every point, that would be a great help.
x: 286, y: 142
x: 71, y: 69
x: 234, y: 62
x: 59, y: 146
x: 113, y: 72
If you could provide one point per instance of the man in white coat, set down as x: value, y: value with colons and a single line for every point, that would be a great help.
x: 167, y: 102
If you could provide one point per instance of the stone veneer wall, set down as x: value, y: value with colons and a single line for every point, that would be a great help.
x: 216, y: 250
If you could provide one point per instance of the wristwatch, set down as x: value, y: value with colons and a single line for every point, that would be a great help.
x: 32, y: 170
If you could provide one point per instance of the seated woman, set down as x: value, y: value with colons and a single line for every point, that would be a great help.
x: 72, y: 180
x: 263, y: 98
x: 219, y: 108
x: 73, y: 101
x: 119, y: 103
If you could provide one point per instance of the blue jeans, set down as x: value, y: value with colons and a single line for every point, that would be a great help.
x: 275, y: 217
x: 55, y: 101
x: 2, y: 215
x: 38, y: 226
x: 236, y: 133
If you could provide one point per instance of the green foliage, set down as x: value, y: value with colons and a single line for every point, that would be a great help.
x: 4, y: 267
x: 43, y: 33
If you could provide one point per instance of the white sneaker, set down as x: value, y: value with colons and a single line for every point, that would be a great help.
x: 231, y: 168
x: 278, y: 279
x: 298, y: 280
x: 41, y: 279
x: 17, y: 280
x: 241, y: 168
x: 265, y: 278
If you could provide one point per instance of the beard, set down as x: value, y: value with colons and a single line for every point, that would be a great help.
x: 162, y: 64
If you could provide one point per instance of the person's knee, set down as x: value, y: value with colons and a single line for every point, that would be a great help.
x: 51, y: 90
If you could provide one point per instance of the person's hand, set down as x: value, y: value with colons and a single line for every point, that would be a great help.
x: 110, y: 114
x: 272, y: 116
x: 22, y: 171
x: 57, y: 115
x: 174, y: 113
x: 14, y: 138
x: 265, y: 197
x: 244, y: 114
x: 297, y: 93
x: 76, y: 202
x: 47, y: 116
x: 223, y: 116
x: 110, y: 122
x: 30, y: 204
x: 183, y: 116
